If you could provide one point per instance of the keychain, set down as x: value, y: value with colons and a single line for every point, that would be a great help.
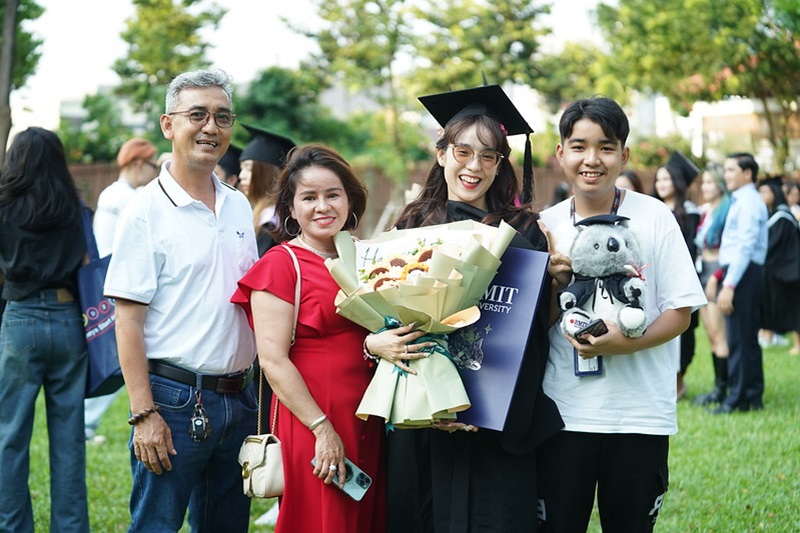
x: 200, y: 427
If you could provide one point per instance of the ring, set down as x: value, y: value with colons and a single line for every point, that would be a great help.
x: 405, y: 348
x: 332, y: 468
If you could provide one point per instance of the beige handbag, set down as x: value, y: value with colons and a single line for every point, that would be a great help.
x: 260, y: 455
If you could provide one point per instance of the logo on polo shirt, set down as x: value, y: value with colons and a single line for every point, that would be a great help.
x: 240, y: 234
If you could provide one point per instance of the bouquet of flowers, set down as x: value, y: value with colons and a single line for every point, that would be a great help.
x: 432, y: 277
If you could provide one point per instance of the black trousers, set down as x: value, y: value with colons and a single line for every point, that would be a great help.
x: 745, y: 365
x: 628, y: 470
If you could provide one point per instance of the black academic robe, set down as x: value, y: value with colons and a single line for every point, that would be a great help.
x: 483, y: 481
x: 780, y: 306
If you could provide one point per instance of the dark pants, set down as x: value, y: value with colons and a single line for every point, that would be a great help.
x: 745, y: 368
x: 629, y: 472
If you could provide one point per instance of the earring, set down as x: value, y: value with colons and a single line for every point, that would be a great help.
x: 355, y: 220
x: 286, y: 227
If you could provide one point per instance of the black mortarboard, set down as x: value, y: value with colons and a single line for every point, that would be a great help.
x: 602, y: 219
x: 230, y: 161
x: 488, y: 100
x: 681, y: 168
x: 266, y: 146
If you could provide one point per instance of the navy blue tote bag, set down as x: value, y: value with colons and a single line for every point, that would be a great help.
x: 104, y: 375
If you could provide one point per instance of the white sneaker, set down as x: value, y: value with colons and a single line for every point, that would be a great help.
x: 270, y: 518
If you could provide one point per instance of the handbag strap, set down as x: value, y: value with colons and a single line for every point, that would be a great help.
x: 88, y: 233
x: 294, y: 332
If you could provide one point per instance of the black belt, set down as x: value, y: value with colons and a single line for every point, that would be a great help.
x: 225, y: 384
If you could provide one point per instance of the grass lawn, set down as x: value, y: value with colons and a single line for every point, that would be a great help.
x: 735, y: 473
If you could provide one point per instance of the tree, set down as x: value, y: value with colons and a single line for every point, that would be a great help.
x: 19, y: 55
x: 464, y: 41
x: 692, y: 50
x: 362, y: 42
x: 100, y: 134
x: 163, y: 40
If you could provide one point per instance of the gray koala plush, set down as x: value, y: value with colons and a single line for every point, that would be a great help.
x: 607, y: 282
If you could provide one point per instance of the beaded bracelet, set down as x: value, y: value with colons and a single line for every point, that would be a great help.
x: 141, y: 415
x: 369, y: 356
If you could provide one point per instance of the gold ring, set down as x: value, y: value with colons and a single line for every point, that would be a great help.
x: 405, y: 349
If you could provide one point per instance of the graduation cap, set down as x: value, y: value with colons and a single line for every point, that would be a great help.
x: 602, y: 219
x: 681, y: 168
x: 266, y: 146
x: 230, y: 161
x: 488, y: 100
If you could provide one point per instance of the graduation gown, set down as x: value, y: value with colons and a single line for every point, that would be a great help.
x: 484, y: 481
x: 780, y: 306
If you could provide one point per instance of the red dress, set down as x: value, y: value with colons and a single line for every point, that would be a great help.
x: 328, y: 354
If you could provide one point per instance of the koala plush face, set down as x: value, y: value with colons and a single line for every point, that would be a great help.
x: 603, y: 249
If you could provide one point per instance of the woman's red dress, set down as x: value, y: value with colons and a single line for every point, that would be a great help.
x: 328, y: 354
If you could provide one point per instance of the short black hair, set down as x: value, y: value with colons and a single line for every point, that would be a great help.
x: 600, y: 110
x: 746, y: 161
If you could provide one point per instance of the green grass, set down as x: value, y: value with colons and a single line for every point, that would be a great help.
x: 735, y: 473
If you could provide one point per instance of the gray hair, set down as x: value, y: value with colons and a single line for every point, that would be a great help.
x: 198, y: 78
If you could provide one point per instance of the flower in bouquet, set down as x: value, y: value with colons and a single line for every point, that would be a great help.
x: 432, y: 277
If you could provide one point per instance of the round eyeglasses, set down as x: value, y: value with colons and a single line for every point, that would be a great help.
x: 222, y: 119
x: 464, y: 154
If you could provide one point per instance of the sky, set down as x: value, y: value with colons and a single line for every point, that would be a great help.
x: 82, y: 41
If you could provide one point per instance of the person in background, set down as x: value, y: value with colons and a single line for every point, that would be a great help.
x: 708, y: 238
x: 261, y: 161
x: 738, y: 285
x: 780, y: 306
x: 792, y: 192
x: 137, y: 167
x: 43, y: 341
x: 672, y: 183
x: 228, y: 167
x: 319, y: 380
x: 455, y: 477
x: 628, y: 179
x: 186, y: 352
x: 616, y: 440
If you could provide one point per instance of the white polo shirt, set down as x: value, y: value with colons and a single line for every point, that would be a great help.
x: 110, y: 204
x: 183, y: 261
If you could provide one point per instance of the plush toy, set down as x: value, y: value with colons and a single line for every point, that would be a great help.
x: 608, y: 283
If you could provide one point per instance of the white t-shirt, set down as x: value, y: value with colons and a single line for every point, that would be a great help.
x: 110, y: 204
x: 183, y: 261
x: 637, y: 392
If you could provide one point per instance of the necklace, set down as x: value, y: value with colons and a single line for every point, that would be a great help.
x: 326, y: 255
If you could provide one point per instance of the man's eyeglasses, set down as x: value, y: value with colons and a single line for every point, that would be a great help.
x: 464, y: 154
x: 200, y: 116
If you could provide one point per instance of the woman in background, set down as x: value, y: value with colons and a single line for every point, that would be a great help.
x: 42, y: 338
x: 672, y: 183
x: 709, y: 234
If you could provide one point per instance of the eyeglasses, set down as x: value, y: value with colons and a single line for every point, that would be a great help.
x: 464, y: 154
x: 150, y: 163
x: 200, y: 116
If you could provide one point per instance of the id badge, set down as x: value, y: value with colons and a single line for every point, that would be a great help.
x: 587, y: 367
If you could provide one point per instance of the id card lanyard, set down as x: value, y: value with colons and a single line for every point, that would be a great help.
x: 593, y: 366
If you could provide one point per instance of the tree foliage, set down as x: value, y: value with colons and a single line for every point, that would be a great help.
x: 692, y: 50
x: 464, y: 41
x: 100, y: 134
x: 163, y: 40
x: 26, y: 44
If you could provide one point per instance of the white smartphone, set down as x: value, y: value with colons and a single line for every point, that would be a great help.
x: 356, y: 481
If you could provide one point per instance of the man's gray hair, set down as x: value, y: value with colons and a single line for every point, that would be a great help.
x: 198, y: 78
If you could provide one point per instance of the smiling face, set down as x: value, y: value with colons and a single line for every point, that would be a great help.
x: 469, y: 181
x: 735, y: 176
x: 320, y: 206
x: 591, y: 160
x: 198, y: 145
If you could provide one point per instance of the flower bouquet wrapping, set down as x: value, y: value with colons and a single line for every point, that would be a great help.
x: 432, y: 277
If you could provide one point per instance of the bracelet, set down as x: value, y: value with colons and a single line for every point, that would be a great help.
x: 367, y: 355
x: 315, y: 424
x: 141, y: 415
